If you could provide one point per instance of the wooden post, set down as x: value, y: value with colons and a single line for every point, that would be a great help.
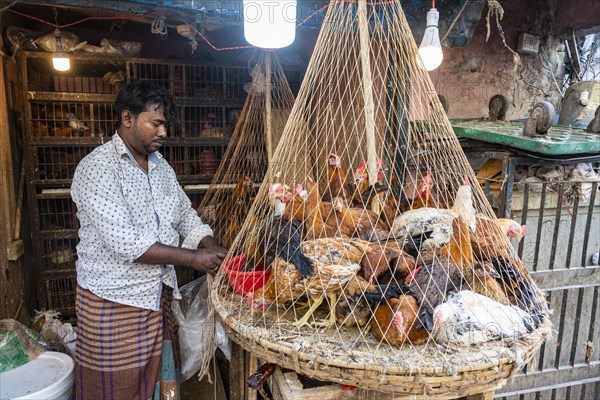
x: 367, y: 81
x: 268, y: 112
x: 237, y: 368
x: 251, y: 367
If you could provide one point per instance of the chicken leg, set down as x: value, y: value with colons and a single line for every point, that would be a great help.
x: 330, y: 321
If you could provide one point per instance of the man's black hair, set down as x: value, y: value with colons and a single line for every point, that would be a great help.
x: 137, y: 95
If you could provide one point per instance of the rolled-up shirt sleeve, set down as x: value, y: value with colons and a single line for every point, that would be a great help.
x: 102, y: 208
x: 190, y: 228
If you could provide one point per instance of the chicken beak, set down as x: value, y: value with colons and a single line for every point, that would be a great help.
x: 491, y: 271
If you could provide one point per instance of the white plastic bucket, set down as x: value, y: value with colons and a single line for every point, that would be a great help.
x: 48, y: 377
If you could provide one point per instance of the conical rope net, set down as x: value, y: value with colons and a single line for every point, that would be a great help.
x: 259, y: 127
x: 370, y: 255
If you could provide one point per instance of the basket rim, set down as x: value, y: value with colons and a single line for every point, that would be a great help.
x: 268, y: 349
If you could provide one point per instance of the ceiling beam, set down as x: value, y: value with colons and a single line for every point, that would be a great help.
x: 458, y: 18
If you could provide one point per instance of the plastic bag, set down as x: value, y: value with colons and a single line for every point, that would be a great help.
x: 58, y: 334
x: 18, y: 344
x: 70, y: 42
x: 197, y: 331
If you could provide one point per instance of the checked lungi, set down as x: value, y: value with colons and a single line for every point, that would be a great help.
x: 124, y: 352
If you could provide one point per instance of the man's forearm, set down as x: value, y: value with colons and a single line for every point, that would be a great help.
x: 160, y: 253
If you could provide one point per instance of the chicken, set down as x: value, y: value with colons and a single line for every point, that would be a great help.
x: 355, y: 222
x: 78, y: 126
x: 360, y: 299
x: 336, y: 180
x: 489, y: 239
x: 335, y: 264
x: 458, y: 250
x: 234, y: 209
x: 362, y: 187
x: 378, y: 262
x: 519, y: 288
x: 386, y: 205
x: 395, y: 322
x: 114, y: 78
x: 315, y: 215
x: 435, y: 222
x: 468, y: 318
x: 351, y: 309
x: 429, y: 284
x: 482, y: 280
x: 296, y: 207
x: 279, y: 195
x: 284, y: 241
x: 424, y: 198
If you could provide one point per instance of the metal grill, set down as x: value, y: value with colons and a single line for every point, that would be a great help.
x: 60, y: 293
x: 72, y: 119
x: 89, y: 75
x: 195, y: 81
x: 57, y: 214
x: 205, y: 121
x: 56, y: 164
x: 563, y: 235
x: 59, y: 255
x: 194, y: 162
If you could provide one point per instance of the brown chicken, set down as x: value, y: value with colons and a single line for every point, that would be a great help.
x: 489, y: 240
x: 351, y: 310
x: 336, y: 262
x: 377, y: 263
x: 395, y: 322
x: 361, y: 196
x: 234, y: 209
x: 336, y: 180
x: 482, y: 280
x: 424, y: 196
x: 296, y: 207
x: 356, y: 221
x: 315, y: 222
x: 385, y: 204
x: 458, y: 250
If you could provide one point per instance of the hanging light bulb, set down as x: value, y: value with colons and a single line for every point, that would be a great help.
x: 60, y: 61
x: 270, y: 24
x: 430, y: 51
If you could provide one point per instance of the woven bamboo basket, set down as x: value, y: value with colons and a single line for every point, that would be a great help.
x: 414, y: 371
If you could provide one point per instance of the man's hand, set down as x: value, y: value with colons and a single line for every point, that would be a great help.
x: 209, y: 242
x: 208, y: 259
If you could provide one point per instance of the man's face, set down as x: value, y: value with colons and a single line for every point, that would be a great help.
x: 148, y: 129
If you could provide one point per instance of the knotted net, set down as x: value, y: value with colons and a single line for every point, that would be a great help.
x: 255, y: 136
x: 370, y: 256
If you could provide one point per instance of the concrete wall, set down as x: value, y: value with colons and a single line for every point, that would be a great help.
x: 470, y: 76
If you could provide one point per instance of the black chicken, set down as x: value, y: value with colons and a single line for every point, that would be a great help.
x: 283, y: 240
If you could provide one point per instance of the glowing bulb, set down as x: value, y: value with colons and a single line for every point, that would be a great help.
x: 430, y: 51
x: 61, y: 63
x: 270, y: 24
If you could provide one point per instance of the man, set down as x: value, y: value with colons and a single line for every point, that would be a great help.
x: 132, y: 214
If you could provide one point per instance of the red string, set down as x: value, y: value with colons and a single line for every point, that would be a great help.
x: 147, y: 14
x: 218, y: 48
x: 143, y: 16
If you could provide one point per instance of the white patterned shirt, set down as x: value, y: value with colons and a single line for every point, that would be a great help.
x: 122, y: 211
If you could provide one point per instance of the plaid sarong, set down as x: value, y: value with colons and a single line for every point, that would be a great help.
x: 124, y: 352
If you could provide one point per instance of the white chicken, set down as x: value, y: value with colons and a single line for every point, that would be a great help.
x: 468, y: 318
x: 437, y: 222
